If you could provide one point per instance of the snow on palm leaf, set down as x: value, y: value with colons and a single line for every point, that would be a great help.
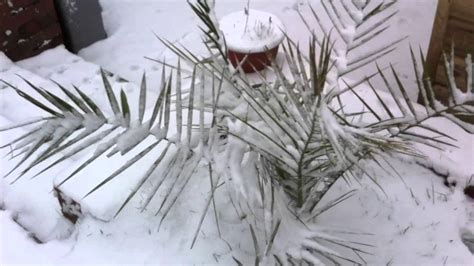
x: 73, y: 127
x: 355, y: 25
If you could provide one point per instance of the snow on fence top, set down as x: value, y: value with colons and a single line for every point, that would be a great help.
x: 252, y: 31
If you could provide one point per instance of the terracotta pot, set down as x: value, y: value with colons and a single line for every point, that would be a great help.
x: 254, y: 61
x: 252, y: 38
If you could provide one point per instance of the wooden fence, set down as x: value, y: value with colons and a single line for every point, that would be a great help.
x: 454, y: 24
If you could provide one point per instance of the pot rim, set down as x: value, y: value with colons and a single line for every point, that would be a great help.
x: 234, y: 27
x: 254, y: 52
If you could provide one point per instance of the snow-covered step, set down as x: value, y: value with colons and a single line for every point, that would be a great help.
x: 62, y: 66
x: 12, y: 106
x: 29, y: 201
x: 68, y: 69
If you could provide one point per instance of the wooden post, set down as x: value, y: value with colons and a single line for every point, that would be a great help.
x: 437, y: 37
x: 454, y: 25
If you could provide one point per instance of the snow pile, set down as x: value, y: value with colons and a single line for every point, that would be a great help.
x: 37, y: 214
x: 252, y: 31
x: 360, y: 3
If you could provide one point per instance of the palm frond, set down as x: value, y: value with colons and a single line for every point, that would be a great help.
x: 204, y: 10
x: 411, y: 116
x: 356, y: 27
x: 74, y: 127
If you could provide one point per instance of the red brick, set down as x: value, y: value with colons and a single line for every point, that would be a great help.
x: 36, y: 24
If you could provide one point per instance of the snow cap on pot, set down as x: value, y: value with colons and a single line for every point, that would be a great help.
x: 252, y: 38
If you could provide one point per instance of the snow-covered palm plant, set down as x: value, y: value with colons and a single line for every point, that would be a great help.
x: 301, y: 129
x: 300, y: 136
x: 281, y: 142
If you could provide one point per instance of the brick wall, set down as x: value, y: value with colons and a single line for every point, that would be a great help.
x: 28, y: 27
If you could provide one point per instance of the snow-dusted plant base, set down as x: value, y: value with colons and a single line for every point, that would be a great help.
x: 222, y: 157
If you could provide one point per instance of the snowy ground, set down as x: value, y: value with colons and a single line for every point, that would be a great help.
x: 131, y: 37
x: 419, y: 222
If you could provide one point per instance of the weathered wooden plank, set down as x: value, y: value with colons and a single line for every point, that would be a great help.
x: 463, y: 10
x: 454, y: 25
x: 437, y: 37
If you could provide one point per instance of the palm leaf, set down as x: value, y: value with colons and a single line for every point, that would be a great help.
x: 110, y: 94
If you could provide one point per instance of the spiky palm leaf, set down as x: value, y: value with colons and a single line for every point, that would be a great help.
x: 412, y: 116
x: 74, y: 127
x: 356, y: 24
x: 204, y: 10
